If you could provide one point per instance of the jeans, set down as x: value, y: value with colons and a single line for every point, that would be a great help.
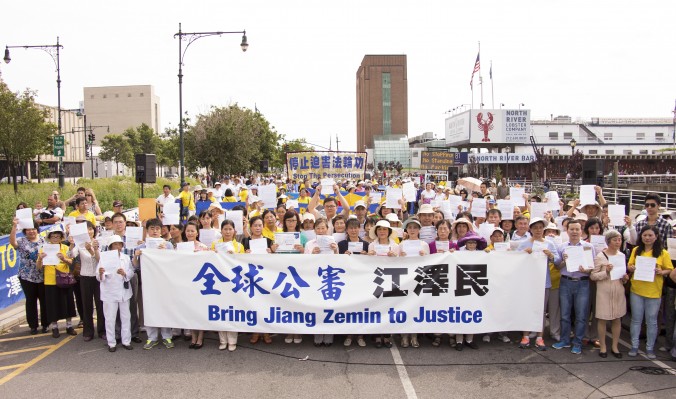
x: 574, y: 294
x: 641, y: 305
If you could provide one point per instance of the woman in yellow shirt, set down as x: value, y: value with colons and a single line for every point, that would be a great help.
x: 270, y: 225
x: 228, y: 197
x: 645, y: 296
x: 59, y: 301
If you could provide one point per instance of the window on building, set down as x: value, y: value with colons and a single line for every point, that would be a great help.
x: 656, y: 152
x: 610, y: 152
x: 643, y: 152
x: 593, y: 152
x: 387, y: 103
x: 415, y: 154
x: 608, y: 136
x: 128, y: 94
x: 659, y: 136
x: 141, y: 95
x: 553, y: 135
x: 91, y: 96
x: 626, y: 152
x: 567, y: 136
x: 553, y: 151
x: 105, y: 96
x: 117, y: 95
x: 640, y: 136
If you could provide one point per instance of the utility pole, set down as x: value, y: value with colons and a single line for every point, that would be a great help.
x: 337, y: 141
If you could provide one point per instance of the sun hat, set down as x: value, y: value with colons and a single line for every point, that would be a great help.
x: 425, y: 208
x: 537, y: 220
x: 359, y: 203
x: 462, y: 220
x: 115, y: 238
x: 471, y: 236
x: 392, y: 218
x: 381, y: 223
x: 411, y: 221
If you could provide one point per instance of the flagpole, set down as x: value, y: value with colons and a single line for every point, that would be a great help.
x: 481, y: 81
x: 492, y: 91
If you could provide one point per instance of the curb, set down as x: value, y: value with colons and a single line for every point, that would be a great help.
x: 12, y: 316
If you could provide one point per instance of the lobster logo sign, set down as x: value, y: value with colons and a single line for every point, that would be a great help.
x: 485, y: 125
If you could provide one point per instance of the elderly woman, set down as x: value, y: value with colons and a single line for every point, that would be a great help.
x: 610, y: 300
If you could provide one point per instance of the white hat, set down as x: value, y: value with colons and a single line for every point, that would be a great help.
x: 307, y: 216
x: 426, y: 208
x: 359, y: 203
x: 381, y: 223
x: 392, y: 218
x: 215, y: 206
x: 552, y: 226
x: 537, y: 220
x: 409, y: 221
x: 115, y: 238
x: 108, y: 214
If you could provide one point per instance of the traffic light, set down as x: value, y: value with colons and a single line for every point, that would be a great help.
x: 87, y: 151
x: 92, y: 137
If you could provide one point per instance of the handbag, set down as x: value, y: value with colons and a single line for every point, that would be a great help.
x: 65, y: 280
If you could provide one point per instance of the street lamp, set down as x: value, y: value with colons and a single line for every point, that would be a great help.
x: 573, y: 143
x: 53, y: 51
x: 191, y: 37
x: 521, y: 105
x: 507, y: 150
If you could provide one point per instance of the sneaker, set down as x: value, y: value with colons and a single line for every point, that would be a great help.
x: 414, y: 342
x: 361, y: 342
x: 288, y: 339
x: 561, y: 345
x: 232, y: 347
x: 661, y: 348
x: 347, y: 342
x: 577, y: 349
x: 150, y: 344
x: 112, y: 349
x: 472, y: 345
x: 298, y: 339
x: 222, y: 346
x: 540, y: 344
x: 525, y: 342
x: 168, y: 343
x: 404, y: 342
x: 633, y: 352
x: 436, y: 342
x: 650, y: 355
x: 505, y: 339
x: 487, y: 338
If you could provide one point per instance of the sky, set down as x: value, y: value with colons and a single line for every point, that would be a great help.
x: 578, y: 58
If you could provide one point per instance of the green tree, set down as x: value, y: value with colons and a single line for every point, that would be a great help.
x: 115, y: 147
x: 296, y: 145
x: 168, y: 149
x: 142, y: 139
x: 24, y: 133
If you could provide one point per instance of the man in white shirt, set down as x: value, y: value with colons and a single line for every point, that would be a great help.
x: 165, y: 197
x: 218, y: 193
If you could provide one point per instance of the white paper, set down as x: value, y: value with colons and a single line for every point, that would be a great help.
x: 501, y: 246
x: 225, y: 247
x: 81, y: 239
x: 382, y: 250
x: 436, y: 203
x: 68, y: 220
x: 338, y: 237
x: 185, y: 246
x: 616, y: 215
x: 51, y: 250
x: 110, y: 261
x: 376, y: 197
x: 599, y: 242
x: 132, y: 236
x: 587, y: 195
x: 268, y: 194
x: 291, y: 204
x: 479, y: 208
x: 78, y: 229
x: 671, y: 243
x: 442, y: 246
x: 645, y: 268
x: 104, y: 237
x: 454, y: 201
x: 355, y: 247
x: 171, y: 212
x: 411, y: 247
x: 619, y: 266
x: 553, y: 200
x: 153, y: 243
x: 514, y: 245
x: 516, y: 195
x: 398, y: 231
x: 485, y: 230
x: 324, y: 243
x: 538, y: 209
x: 327, y: 186
x: 577, y: 257
x: 506, y: 208
x: 310, y: 235
x: 237, y: 218
x: 258, y: 245
x: 287, y: 241
x: 207, y: 236
x: 428, y: 234
x: 25, y: 217
x: 409, y: 192
x: 465, y: 205
x: 539, y: 246
x: 392, y: 197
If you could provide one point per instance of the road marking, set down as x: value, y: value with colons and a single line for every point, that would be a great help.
x: 13, y: 366
x: 403, y: 374
x: 35, y: 360
x: 37, y: 348
x: 25, y: 337
x: 657, y: 362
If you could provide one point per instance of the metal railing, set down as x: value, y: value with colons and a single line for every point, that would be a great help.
x: 635, y: 198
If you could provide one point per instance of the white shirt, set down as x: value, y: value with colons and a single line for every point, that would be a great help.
x: 112, y: 284
x: 88, y: 264
x: 163, y: 200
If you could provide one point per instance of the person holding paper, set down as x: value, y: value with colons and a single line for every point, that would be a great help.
x: 291, y: 224
x: 165, y: 197
x: 330, y: 205
x: 307, y: 230
x: 645, y: 296
x: 206, y: 223
x: 443, y: 241
x: 116, y: 293
x: 270, y: 225
x: 537, y: 231
x: 652, y: 207
x: 81, y: 210
x: 521, y: 232
x: 191, y: 234
x: 497, y: 237
x: 351, y: 244
x: 30, y: 278
x: 574, y: 292
x: 58, y: 301
x: 228, y: 235
x: 611, y: 304
x: 470, y: 242
x: 412, y: 228
x: 552, y: 233
x: 461, y: 227
x: 383, y: 245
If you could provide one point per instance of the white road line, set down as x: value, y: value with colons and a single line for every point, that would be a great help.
x: 403, y: 374
x: 657, y: 362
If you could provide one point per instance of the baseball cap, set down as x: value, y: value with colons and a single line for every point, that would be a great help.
x: 117, y: 203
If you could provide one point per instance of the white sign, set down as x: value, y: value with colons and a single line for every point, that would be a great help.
x: 488, y: 126
x: 208, y: 291
x: 501, y: 157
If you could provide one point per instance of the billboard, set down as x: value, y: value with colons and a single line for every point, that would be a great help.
x: 326, y: 165
x: 488, y: 126
x: 441, y: 160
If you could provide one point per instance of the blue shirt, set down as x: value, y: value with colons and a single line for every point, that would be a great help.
x: 527, y: 243
x: 562, y: 249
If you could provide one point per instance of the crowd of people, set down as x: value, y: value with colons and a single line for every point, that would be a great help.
x: 579, y: 304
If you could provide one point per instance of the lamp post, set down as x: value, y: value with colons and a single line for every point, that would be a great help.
x: 507, y: 151
x: 521, y: 105
x: 573, y: 143
x: 53, y: 51
x: 191, y: 37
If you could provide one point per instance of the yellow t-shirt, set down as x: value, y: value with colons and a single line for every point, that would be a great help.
x: 303, y: 200
x: 187, y: 199
x: 267, y: 233
x: 645, y: 288
x: 239, y: 248
x: 243, y: 195
x: 554, y: 276
x: 229, y: 199
x: 50, y: 271
x: 88, y: 215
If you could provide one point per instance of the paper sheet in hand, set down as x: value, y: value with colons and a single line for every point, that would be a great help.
x: 207, y: 236
x: 514, y: 245
x: 225, y: 247
x: 376, y: 198
x: 539, y: 246
x: 501, y: 246
x: 409, y: 191
x: 616, y: 215
x: 185, y: 246
x: 411, y: 247
x: 454, y: 201
x: 81, y: 239
x: 171, y: 211
x: 619, y: 267
x: 78, y: 229
x: 110, y: 261
x: 268, y: 193
x: 338, y: 237
x: 286, y: 242
x: 327, y: 186
x: 104, y: 237
x: 599, y: 242
x: 587, y: 194
x: 553, y: 200
x: 516, y: 195
x: 645, y: 268
x: 577, y: 257
x: 153, y: 243
x: 485, y: 230
x: 324, y: 242
x: 355, y: 247
x: 310, y: 235
x: 447, y: 210
x: 291, y: 204
x: 258, y: 245
x: 538, y: 209
x: 237, y: 218
x: 51, y: 250
x: 479, y: 208
x: 132, y: 236
x: 442, y: 246
x: 382, y: 250
x: 25, y: 217
x: 428, y: 234
x: 392, y: 197
x: 68, y: 220
x: 506, y: 208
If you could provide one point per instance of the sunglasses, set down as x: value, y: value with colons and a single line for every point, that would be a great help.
x: 650, y: 205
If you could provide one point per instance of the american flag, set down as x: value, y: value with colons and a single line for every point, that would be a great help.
x: 477, y: 67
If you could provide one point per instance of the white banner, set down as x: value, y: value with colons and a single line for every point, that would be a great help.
x: 490, y: 126
x: 460, y: 292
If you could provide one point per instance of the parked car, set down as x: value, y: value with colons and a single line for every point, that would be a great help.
x: 18, y: 179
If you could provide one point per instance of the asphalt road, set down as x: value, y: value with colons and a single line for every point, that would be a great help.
x: 42, y: 366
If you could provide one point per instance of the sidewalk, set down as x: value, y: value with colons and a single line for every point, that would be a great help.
x: 12, y: 316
